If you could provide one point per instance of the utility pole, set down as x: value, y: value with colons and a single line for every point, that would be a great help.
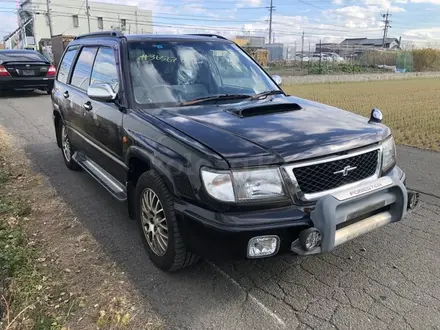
x: 320, y: 55
x: 308, y: 66
x: 33, y: 31
x: 88, y: 14
x: 271, y: 8
x: 136, y: 15
x: 302, y: 49
x: 387, y: 22
x: 302, y: 45
x: 49, y: 18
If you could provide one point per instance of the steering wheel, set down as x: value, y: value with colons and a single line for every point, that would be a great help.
x: 172, y: 88
x: 163, y: 85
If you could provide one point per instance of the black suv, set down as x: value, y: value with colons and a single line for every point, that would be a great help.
x: 212, y: 157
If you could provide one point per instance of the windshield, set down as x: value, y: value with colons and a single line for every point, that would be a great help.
x: 180, y: 71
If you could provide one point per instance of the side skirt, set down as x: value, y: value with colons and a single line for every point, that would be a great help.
x: 109, y: 182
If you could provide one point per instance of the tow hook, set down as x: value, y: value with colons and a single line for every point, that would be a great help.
x: 413, y: 200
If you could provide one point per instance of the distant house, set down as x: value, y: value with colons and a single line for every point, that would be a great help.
x: 363, y: 43
x: 327, y: 47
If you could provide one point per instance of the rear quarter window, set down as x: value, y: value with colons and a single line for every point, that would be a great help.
x: 66, y: 63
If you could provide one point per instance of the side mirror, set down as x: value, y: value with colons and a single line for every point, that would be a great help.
x: 277, y: 79
x: 375, y: 116
x: 101, y: 92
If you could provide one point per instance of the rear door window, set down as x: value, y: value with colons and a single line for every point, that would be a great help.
x: 105, y: 69
x: 63, y: 72
x: 83, y: 68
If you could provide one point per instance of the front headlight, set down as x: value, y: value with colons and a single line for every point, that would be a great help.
x: 257, y: 184
x: 388, y: 153
x: 243, y: 185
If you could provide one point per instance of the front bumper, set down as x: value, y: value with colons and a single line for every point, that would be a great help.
x: 345, y: 215
x: 28, y: 82
x: 226, y: 236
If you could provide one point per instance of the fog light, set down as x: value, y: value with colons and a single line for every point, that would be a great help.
x: 263, y: 246
x: 310, y: 239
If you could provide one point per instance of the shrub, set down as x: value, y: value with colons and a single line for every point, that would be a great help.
x: 426, y: 59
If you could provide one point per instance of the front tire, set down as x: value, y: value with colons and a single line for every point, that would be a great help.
x: 67, y: 149
x: 158, y: 225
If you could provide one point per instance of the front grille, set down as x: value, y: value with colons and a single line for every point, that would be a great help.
x: 321, y: 177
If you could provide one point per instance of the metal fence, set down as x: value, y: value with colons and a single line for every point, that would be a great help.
x: 369, y: 61
x: 352, y: 59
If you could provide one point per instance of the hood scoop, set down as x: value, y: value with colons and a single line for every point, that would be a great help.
x: 266, y: 109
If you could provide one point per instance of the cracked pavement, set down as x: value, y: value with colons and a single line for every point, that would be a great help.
x: 388, y: 279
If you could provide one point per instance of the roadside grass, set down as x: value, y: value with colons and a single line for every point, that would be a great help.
x: 411, y: 107
x: 24, y: 292
x: 53, y: 273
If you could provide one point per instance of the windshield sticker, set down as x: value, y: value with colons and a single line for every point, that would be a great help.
x: 154, y: 57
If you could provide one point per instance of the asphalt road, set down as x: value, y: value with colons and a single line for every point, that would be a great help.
x: 388, y: 279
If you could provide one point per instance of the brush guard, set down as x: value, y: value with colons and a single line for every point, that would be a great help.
x: 347, y: 214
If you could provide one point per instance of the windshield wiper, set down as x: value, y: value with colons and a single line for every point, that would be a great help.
x: 216, y: 97
x: 266, y: 93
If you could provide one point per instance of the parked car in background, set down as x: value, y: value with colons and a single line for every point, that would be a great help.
x: 334, y: 57
x: 320, y: 57
x: 25, y: 69
x: 301, y: 57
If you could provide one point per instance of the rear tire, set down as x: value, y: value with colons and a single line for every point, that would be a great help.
x: 67, y: 149
x: 158, y: 225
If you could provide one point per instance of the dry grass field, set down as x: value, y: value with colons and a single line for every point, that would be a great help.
x: 410, y: 107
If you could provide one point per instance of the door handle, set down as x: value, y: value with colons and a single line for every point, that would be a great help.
x: 88, y: 106
x: 66, y: 94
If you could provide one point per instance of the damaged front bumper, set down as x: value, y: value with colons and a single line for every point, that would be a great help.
x: 345, y: 215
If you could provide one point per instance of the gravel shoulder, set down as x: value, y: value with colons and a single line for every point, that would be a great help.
x: 72, y: 280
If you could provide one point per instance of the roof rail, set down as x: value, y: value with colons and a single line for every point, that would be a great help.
x: 207, y: 35
x: 115, y: 34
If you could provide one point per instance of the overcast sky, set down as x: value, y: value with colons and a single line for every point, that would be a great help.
x: 329, y: 20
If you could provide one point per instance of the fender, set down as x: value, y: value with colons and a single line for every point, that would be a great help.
x: 57, y: 113
x: 149, y: 157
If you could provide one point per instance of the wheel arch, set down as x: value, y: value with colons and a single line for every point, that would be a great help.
x: 140, y: 161
x: 57, y: 120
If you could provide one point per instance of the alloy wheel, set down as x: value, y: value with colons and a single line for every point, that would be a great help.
x: 154, y: 222
x: 65, y: 144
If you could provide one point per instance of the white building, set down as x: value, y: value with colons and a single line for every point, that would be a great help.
x: 69, y: 17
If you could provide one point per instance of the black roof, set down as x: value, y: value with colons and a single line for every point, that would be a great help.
x: 367, y: 42
x: 117, y: 35
x: 170, y: 37
x: 17, y: 51
x: 21, y: 55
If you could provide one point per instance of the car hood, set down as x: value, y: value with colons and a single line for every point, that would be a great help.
x: 308, y: 130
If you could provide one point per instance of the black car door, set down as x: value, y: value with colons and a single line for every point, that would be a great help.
x: 103, y: 120
x: 77, y: 95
